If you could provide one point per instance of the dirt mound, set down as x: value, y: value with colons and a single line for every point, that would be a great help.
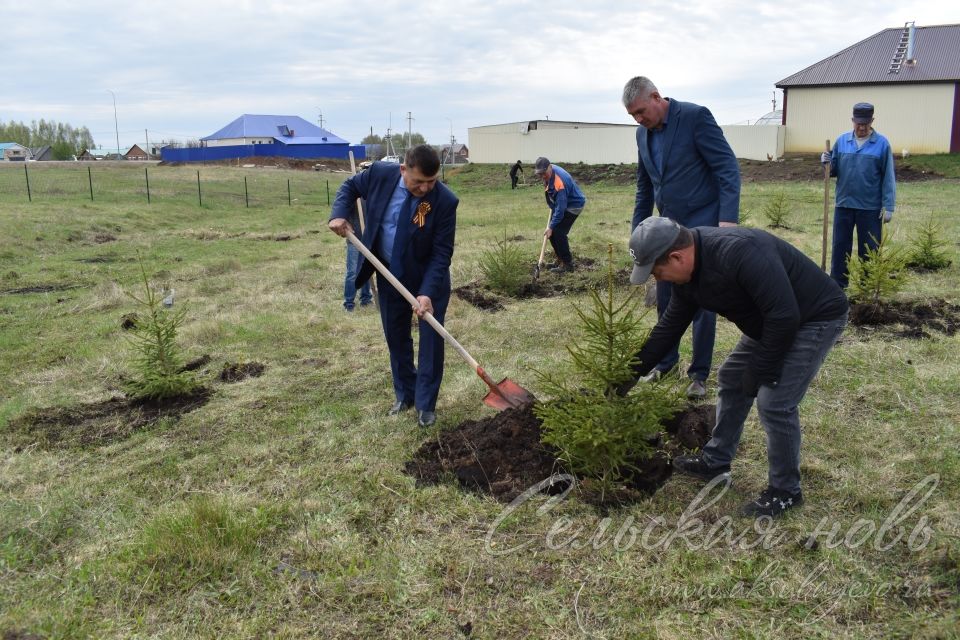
x: 915, y: 316
x: 99, y: 423
x: 479, y: 297
x: 237, y: 371
x: 274, y: 162
x: 793, y: 167
x: 502, y: 455
x: 584, y: 277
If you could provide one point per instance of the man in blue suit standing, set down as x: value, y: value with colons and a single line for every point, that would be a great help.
x: 411, y: 222
x: 687, y: 168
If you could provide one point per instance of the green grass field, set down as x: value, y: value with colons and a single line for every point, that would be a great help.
x: 280, y: 509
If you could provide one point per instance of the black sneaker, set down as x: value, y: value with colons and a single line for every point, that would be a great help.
x: 695, y: 466
x: 772, y: 502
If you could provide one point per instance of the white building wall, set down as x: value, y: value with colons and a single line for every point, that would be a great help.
x: 915, y: 117
x: 593, y: 143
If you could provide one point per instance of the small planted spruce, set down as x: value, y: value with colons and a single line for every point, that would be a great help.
x: 928, y: 247
x: 505, y: 267
x: 598, y: 433
x: 876, y: 279
x: 158, y: 362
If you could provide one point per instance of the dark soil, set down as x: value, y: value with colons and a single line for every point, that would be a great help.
x: 13, y: 634
x: 793, y: 167
x: 478, y: 297
x: 97, y: 424
x: 908, y: 319
x: 129, y: 321
x: 197, y: 363
x: 502, y: 455
x: 584, y: 277
x: 237, y: 371
x: 303, y: 164
x: 40, y: 288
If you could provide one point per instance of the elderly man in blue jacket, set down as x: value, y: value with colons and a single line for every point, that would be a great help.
x: 862, y: 162
x: 686, y: 167
x: 411, y: 223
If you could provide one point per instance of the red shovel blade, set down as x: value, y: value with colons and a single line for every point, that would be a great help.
x: 508, y: 395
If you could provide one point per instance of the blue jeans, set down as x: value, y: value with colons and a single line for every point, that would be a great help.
x: 704, y: 333
x: 558, y: 239
x: 869, y: 225
x: 349, y: 288
x: 777, y: 406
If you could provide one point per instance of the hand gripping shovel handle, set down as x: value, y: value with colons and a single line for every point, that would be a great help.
x: 428, y: 317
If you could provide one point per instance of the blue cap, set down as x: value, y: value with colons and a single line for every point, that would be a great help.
x: 863, y: 113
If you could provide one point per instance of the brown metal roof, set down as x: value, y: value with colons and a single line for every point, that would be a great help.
x: 936, y: 50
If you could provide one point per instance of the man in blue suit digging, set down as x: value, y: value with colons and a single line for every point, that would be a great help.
x: 410, y: 226
x: 687, y: 168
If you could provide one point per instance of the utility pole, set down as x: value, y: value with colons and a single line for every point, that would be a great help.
x: 320, y: 117
x: 116, y: 127
x: 146, y: 138
x: 774, y: 100
x: 409, y: 129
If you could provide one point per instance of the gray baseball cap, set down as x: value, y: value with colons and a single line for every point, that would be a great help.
x: 650, y: 240
x: 541, y: 165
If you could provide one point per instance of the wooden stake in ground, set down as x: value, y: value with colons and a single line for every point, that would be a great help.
x: 826, y: 208
x: 373, y: 282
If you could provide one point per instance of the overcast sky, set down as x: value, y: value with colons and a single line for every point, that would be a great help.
x: 183, y: 69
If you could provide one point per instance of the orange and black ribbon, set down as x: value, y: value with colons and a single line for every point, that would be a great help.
x: 420, y: 217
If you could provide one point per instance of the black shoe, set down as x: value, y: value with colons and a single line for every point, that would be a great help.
x: 696, y: 467
x: 399, y: 407
x: 562, y: 267
x: 426, y: 418
x: 772, y: 502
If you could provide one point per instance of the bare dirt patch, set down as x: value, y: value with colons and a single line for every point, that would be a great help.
x: 804, y: 167
x: 502, y: 455
x: 99, y: 423
x: 909, y: 318
x: 549, y: 285
x: 39, y: 288
x: 237, y: 371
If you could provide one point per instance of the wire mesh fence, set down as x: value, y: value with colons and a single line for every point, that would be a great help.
x: 129, y: 182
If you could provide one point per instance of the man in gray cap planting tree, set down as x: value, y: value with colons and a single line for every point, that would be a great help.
x: 862, y: 162
x: 790, y: 313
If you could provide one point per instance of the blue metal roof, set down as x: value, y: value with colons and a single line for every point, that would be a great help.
x: 277, y: 127
x: 10, y: 145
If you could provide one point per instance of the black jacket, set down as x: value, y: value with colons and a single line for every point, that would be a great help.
x: 764, y: 285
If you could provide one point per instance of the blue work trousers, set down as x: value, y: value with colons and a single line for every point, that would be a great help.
x: 869, y: 226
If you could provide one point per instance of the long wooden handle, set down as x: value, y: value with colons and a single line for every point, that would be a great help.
x: 543, y: 247
x: 826, y: 209
x: 379, y: 266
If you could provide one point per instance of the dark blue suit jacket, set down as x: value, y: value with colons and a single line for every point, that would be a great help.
x: 423, y: 258
x: 700, y: 182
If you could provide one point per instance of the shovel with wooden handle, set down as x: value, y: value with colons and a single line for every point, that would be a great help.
x: 505, y: 394
x: 543, y: 247
x: 536, y: 269
x: 826, y: 208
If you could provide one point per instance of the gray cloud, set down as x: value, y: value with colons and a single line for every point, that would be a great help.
x: 185, y: 68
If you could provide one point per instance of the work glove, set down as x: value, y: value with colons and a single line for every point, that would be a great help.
x: 825, y: 157
x: 887, y: 216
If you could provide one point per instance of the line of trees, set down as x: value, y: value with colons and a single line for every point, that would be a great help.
x: 64, y: 140
x: 400, y: 142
